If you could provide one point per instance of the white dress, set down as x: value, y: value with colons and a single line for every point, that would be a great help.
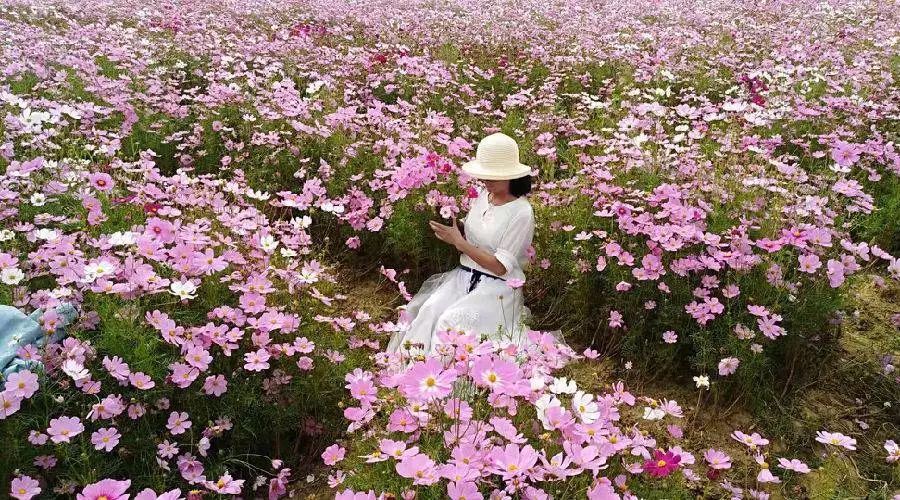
x: 492, y: 308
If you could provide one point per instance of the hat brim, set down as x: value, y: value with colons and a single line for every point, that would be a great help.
x: 477, y: 170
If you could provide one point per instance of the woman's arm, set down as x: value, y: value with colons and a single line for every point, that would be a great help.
x: 484, y: 258
x: 451, y: 235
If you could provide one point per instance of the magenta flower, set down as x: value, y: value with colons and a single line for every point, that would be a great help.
x: 178, y: 423
x: 63, y: 429
x: 107, y: 489
x: 662, y: 464
x: 836, y: 439
x: 105, y: 439
x: 24, y: 488
x: 22, y: 384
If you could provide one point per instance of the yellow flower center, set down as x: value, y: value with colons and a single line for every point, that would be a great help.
x: 661, y: 463
x: 430, y: 382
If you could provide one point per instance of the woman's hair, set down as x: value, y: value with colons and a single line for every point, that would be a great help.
x: 521, y: 186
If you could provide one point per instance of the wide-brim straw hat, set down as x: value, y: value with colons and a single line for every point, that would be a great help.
x: 496, y: 159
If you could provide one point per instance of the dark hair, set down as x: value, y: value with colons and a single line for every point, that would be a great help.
x: 521, y: 186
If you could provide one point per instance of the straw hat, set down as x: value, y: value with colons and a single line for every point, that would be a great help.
x: 497, y: 158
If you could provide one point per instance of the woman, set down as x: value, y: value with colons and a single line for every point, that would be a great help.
x: 483, y: 295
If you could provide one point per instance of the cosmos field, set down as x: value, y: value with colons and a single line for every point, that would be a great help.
x: 211, y: 210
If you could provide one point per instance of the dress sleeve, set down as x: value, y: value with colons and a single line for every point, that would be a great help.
x: 516, y: 239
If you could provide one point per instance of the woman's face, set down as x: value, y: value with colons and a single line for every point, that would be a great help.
x: 497, y: 187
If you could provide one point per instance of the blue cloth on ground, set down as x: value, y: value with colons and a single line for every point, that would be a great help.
x: 18, y: 330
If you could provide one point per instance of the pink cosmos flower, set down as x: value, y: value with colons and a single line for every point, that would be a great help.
x: 794, y: 465
x: 419, y: 468
x: 836, y: 439
x: 149, y: 494
x: 178, y: 423
x: 427, y: 379
x: 751, y: 441
x: 809, y: 263
x: 515, y: 282
x: 101, y: 181
x: 105, y: 439
x: 37, y: 438
x: 9, y: 404
x: 63, y: 429
x: 495, y: 373
x: 717, y: 459
x: 215, y: 385
x: 141, y: 381
x: 893, y: 450
x: 257, y: 360
x: 22, y: 384
x: 465, y: 490
x: 45, y: 462
x: 333, y: 454
x: 24, y: 488
x: 728, y: 366
x: 107, y: 489
x: 225, y: 485
x: 512, y: 461
x: 662, y: 464
x: 615, y: 319
x: 670, y: 337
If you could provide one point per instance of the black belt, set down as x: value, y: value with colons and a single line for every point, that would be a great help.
x: 476, y: 277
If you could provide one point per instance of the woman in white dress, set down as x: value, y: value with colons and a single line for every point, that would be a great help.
x: 483, y: 295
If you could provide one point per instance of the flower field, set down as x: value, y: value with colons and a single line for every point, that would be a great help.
x: 209, y: 210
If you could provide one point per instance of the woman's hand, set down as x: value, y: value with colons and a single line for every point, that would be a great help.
x: 448, y: 234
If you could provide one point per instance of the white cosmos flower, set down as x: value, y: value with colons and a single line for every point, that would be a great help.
x: 287, y: 252
x: 122, y: 238
x: 75, y: 370
x: 38, y: 199
x: 183, y: 289
x: 11, y: 275
x: 563, y: 386
x: 308, y: 276
x: 6, y: 235
x: 544, y: 403
x: 46, y: 234
x: 314, y: 87
x: 537, y: 382
x: 301, y: 222
x: 585, y: 407
x: 98, y: 269
x: 330, y: 207
x: 702, y: 381
x: 268, y: 243
x: 258, y: 195
x: 653, y: 413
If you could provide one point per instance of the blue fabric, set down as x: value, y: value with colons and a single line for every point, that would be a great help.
x: 18, y: 330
